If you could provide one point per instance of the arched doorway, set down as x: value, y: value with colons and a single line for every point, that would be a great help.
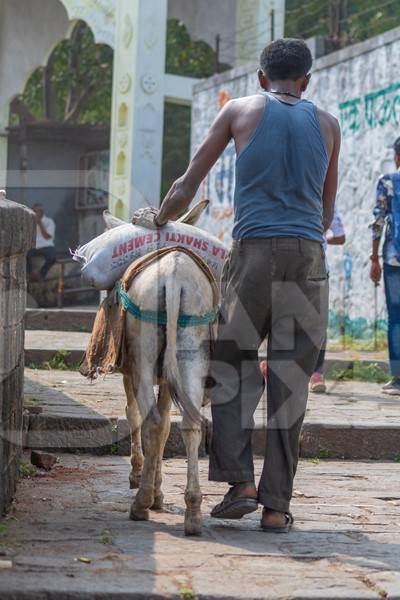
x: 59, y: 137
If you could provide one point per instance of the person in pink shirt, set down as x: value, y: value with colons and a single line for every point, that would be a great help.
x: 335, y: 236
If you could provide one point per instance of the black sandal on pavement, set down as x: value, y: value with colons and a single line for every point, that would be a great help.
x: 234, y: 508
x: 285, y: 528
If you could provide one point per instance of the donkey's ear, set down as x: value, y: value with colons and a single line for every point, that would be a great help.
x: 112, y: 221
x: 194, y: 214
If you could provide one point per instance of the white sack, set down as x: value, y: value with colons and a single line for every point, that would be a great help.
x: 106, y: 258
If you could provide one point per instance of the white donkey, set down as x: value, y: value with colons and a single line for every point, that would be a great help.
x: 177, y: 359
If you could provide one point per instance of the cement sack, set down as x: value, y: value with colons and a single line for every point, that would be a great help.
x: 106, y: 258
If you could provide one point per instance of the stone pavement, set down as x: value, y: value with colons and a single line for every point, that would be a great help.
x: 345, y: 543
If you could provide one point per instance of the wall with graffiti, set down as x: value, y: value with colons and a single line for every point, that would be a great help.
x: 361, y: 86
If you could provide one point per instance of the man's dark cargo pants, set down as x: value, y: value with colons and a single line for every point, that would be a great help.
x: 275, y: 288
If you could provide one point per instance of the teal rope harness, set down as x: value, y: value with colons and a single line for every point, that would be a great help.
x: 160, y: 318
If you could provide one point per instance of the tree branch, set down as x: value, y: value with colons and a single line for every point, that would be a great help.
x: 49, y: 92
x: 75, y: 45
x: 73, y: 115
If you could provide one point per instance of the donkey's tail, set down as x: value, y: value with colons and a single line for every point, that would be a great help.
x: 172, y: 374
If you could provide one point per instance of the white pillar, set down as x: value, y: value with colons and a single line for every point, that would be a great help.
x: 4, y: 115
x: 138, y: 105
x: 258, y: 22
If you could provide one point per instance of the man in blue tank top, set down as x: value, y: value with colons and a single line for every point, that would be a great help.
x: 275, y: 282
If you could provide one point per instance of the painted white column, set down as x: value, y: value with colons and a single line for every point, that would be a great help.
x: 138, y: 105
x: 258, y: 22
x: 4, y: 115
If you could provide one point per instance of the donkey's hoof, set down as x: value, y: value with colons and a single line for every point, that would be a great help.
x: 134, y: 482
x: 193, y: 525
x: 139, y: 514
x: 158, y: 502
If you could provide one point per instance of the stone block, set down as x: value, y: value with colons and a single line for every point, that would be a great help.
x: 352, y: 442
x: 17, y: 236
x: 70, y: 434
x: 43, y: 460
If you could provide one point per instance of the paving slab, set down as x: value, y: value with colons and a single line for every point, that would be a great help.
x: 68, y: 536
x: 65, y: 411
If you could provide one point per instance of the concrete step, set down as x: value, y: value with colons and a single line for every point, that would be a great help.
x: 66, y: 413
x: 43, y: 345
x: 64, y: 319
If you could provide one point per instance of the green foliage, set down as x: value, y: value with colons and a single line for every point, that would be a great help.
x: 26, y: 469
x: 396, y: 457
x: 306, y: 18
x: 187, y: 593
x: 188, y: 57
x: 359, y: 371
x: 33, y: 94
x: 360, y: 19
x: 114, y: 448
x: 176, y: 143
x: 60, y: 362
x: 81, y: 72
x: 323, y: 453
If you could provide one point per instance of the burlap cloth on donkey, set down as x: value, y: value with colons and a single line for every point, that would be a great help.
x: 106, y: 350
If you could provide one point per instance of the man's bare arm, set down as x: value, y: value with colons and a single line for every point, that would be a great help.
x: 331, y: 180
x: 43, y: 230
x: 185, y: 188
x: 338, y: 240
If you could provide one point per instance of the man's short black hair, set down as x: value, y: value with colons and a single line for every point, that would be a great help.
x: 37, y: 205
x: 287, y: 58
x: 396, y: 146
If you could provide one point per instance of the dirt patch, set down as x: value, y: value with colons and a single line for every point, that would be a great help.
x: 61, y: 473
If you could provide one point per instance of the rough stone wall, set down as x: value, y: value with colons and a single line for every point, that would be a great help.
x: 361, y: 86
x: 17, y: 236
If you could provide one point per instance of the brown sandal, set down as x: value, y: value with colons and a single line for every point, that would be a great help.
x: 234, y: 508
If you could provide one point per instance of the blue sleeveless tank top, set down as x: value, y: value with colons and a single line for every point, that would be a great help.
x: 280, y: 174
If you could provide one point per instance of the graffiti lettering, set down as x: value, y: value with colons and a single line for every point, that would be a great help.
x: 375, y: 109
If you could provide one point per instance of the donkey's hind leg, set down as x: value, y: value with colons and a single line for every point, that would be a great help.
x: 192, y: 437
x: 194, y: 368
x: 164, y: 408
x: 154, y: 434
x: 135, y: 423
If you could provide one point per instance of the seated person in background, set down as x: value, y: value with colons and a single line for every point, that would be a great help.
x: 45, y: 232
